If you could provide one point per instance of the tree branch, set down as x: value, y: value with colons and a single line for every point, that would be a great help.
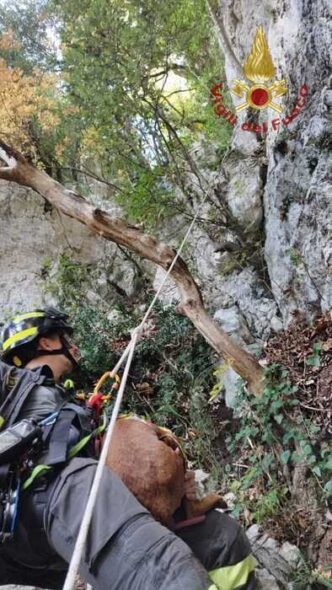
x: 223, y: 38
x: 120, y: 232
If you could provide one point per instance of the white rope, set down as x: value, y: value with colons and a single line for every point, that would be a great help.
x: 129, y: 351
x: 81, y: 539
x: 172, y: 264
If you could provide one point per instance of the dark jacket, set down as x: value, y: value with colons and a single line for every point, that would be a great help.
x: 33, y: 394
x: 26, y: 393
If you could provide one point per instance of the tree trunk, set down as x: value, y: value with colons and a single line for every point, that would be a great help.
x: 74, y: 205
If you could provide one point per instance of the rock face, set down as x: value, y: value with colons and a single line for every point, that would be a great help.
x: 297, y: 205
x: 33, y: 238
x: 276, y: 186
x: 275, y: 562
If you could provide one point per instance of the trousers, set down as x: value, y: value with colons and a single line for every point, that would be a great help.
x: 126, y: 548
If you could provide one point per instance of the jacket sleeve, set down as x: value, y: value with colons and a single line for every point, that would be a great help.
x: 223, y: 548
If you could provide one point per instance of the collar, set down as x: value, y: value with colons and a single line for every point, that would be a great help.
x: 47, y: 371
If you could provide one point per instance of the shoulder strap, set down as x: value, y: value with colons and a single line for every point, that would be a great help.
x: 83, y: 415
x: 15, y: 399
x: 58, y: 438
x: 61, y: 445
x: 66, y: 436
x: 7, y: 383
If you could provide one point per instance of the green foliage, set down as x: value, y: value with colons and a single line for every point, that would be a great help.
x: 273, y: 437
x: 304, y: 577
x: 68, y: 281
x: 148, y: 200
x: 261, y: 506
x: 130, y: 97
x: 175, y: 361
x: 95, y: 335
x: 29, y: 22
x: 295, y: 256
x: 314, y: 359
x: 138, y: 76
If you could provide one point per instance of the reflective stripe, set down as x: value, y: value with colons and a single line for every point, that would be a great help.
x: 36, y: 472
x: 27, y: 316
x: 233, y: 576
x: 19, y: 336
x: 42, y: 469
x: 84, y: 441
x: 17, y: 361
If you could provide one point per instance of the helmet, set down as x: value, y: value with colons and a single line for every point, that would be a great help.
x: 26, y: 328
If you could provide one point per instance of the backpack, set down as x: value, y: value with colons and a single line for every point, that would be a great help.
x: 69, y: 422
x: 15, y: 386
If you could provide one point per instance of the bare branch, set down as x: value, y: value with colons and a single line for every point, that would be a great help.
x: 131, y: 237
x: 223, y: 38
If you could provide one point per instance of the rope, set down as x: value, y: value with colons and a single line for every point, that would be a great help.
x: 127, y: 354
x: 172, y: 264
x: 83, y: 532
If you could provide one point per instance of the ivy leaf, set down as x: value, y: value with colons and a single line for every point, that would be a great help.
x: 313, y: 361
x: 307, y: 450
x: 279, y: 418
x: 328, y: 487
x: 276, y: 405
x: 284, y: 457
x: 328, y: 464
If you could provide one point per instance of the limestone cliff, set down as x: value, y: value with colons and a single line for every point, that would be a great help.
x: 295, y: 161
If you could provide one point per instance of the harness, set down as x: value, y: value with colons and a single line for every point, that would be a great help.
x: 30, y: 449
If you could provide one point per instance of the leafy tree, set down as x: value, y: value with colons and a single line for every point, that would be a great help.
x: 131, y: 95
x: 139, y: 75
x: 30, y: 23
x: 24, y: 98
